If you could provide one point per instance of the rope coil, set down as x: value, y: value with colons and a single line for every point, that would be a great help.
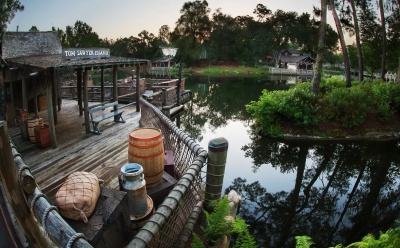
x: 35, y: 198
x: 74, y: 238
x: 44, y: 217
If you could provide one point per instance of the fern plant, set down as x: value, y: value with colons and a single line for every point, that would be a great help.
x: 389, y: 239
x: 217, y: 226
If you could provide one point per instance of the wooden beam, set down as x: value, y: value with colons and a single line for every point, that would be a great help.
x: 54, y: 95
x: 85, y: 101
x: 24, y: 90
x: 115, y: 90
x: 79, y: 89
x: 102, y: 84
x: 137, y: 87
x: 50, y: 112
x: 14, y: 192
x: 34, y: 76
x: 12, y: 71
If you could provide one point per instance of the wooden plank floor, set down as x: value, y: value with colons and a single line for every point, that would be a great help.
x: 103, y: 154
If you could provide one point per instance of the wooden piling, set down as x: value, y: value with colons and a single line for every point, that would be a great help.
x: 16, y: 198
x: 217, y: 153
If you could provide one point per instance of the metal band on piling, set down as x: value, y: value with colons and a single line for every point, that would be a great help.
x: 217, y: 154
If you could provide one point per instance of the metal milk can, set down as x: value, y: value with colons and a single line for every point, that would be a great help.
x: 132, y: 181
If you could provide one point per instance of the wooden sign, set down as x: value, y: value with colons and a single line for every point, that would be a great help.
x: 85, y: 53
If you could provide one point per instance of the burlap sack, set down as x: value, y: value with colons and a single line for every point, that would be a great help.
x: 77, y: 197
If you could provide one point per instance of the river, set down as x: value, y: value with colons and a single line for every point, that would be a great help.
x: 334, y: 192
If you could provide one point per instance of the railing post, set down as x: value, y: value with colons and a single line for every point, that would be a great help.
x: 164, y: 97
x: 178, y: 87
x: 217, y: 153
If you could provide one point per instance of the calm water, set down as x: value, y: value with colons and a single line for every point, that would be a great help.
x: 335, y: 192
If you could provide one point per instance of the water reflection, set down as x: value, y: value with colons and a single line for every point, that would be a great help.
x: 335, y: 192
x: 348, y: 190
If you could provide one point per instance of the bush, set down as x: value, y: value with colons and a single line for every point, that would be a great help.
x: 297, y: 105
x: 335, y: 105
x: 328, y: 84
x: 347, y: 106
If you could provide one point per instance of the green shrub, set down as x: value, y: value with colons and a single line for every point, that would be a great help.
x: 348, y: 106
x: 389, y: 239
x: 297, y: 105
x: 335, y: 104
x: 328, y: 84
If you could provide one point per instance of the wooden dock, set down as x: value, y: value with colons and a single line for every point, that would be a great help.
x: 102, y: 155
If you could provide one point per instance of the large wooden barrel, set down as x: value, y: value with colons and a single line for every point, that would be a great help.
x: 32, y: 123
x: 147, y: 149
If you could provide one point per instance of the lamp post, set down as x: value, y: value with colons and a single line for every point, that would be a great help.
x: 170, y: 53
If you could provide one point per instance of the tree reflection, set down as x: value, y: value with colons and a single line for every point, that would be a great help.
x: 218, y: 100
x: 342, y: 191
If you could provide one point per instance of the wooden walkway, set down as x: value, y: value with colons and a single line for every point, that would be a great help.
x: 102, y: 155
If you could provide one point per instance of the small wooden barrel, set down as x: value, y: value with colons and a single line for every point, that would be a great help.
x: 32, y: 123
x: 147, y: 149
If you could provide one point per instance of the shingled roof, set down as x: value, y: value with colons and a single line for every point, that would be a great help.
x: 23, y: 44
x: 43, y: 50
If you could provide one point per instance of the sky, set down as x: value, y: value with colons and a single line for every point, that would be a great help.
x: 115, y: 19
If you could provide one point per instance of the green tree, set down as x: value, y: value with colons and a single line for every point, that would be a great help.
x: 342, y: 42
x: 33, y: 29
x: 80, y: 35
x: 8, y: 8
x: 320, y: 51
x: 358, y: 40
x: 194, y: 21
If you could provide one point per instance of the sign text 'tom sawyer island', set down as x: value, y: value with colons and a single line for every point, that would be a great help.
x: 85, y: 53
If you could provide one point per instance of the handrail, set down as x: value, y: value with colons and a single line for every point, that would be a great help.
x: 25, y: 197
x: 169, y: 223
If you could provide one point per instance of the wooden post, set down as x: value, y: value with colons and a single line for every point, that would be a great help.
x: 79, y: 89
x: 115, y: 89
x: 12, y: 121
x: 52, y: 78
x: 24, y: 90
x: 178, y: 90
x: 137, y: 88
x: 217, y: 153
x: 50, y: 112
x: 85, y: 100
x: 102, y: 84
x: 34, y: 80
x: 15, y: 196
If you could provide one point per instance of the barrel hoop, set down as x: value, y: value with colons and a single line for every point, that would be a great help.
x: 147, y: 156
x: 145, y: 147
x: 152, y: 175
x: 146, y: 139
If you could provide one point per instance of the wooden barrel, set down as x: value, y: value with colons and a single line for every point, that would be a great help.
x: 32, y: 123
x: 147, y: 149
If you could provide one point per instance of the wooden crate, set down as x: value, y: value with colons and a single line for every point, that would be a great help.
x: 109, y: 225
x: 159, y: 192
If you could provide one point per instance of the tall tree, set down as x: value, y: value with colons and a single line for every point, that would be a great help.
x: 358, y: 41
x: 321, y: 48
x: 383, y: 34
x: 80, y: 35
x: 194, y: 21
x: 8, y: 8
x: 342, y: 43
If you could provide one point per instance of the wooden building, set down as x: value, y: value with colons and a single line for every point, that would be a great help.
x: 295, y: 60
x: 32, y: 65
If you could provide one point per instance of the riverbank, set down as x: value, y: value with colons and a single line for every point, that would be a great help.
x: 229, y: 70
